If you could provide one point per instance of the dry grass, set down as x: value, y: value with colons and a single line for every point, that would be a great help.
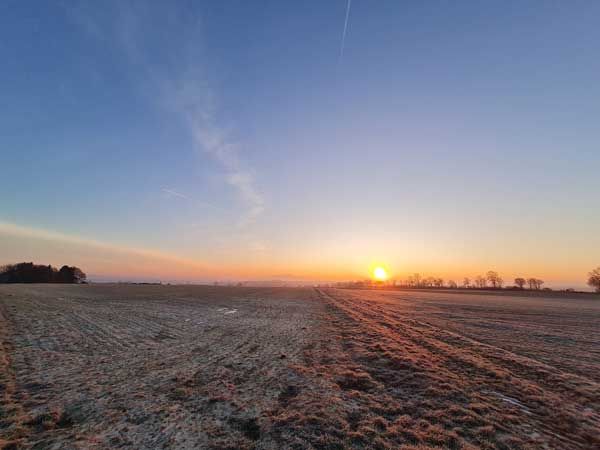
x: 398, y: 373
x: 149, y: 367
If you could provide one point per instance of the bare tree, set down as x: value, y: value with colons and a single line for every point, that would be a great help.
x: 493, y: 278
x: 520, y: 282
x: 535, y: 283
x: 480, y: 281
x: 466, y: 282
x: 452, y: 284
x: 438, y: 282
x: 416, y: 279
x: 429, y: 281
x: 594, y: 279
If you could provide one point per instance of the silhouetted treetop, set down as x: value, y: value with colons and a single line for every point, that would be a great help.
x: 594, y: 279
x: 28, y: 272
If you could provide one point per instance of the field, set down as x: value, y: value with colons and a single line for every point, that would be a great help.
x: 150, y: 367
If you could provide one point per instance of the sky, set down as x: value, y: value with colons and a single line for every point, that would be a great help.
x: 233, y: 140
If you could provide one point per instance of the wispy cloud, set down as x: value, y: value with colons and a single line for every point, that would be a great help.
x: 345, y: 29
x: 191, y: 98
x: 180, y: 81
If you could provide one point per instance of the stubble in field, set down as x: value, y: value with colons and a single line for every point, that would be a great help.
x: 209, y: 367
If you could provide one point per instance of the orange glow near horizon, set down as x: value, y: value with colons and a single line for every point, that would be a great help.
x: 105, y: 260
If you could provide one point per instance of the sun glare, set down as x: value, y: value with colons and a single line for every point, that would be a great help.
x: 380, y: 274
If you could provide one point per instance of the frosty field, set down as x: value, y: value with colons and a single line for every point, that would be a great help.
x: 146, y: 367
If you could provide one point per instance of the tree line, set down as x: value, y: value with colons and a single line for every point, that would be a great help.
x: 491, y: 280
x: 28, y: 272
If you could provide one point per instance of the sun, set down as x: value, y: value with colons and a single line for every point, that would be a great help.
x: 380, y: 274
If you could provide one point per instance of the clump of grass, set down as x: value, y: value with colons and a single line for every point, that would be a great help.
x: 178, y: 394
x: 248, y: 426
x: 43, y: 421
x: 291, y: 391
x: 355, y: 380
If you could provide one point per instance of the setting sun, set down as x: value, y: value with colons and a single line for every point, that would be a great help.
x: 380, y: 274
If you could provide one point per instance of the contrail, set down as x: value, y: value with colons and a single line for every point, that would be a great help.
x: 174, y: 193
x: 345, y: 28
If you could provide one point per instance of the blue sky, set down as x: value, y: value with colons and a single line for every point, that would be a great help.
x: 448, y: 138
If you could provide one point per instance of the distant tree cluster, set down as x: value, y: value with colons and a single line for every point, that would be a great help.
x: 490, y: 280
x: 535, y: 283
x: 29, y: 272
x: 532, y: 283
